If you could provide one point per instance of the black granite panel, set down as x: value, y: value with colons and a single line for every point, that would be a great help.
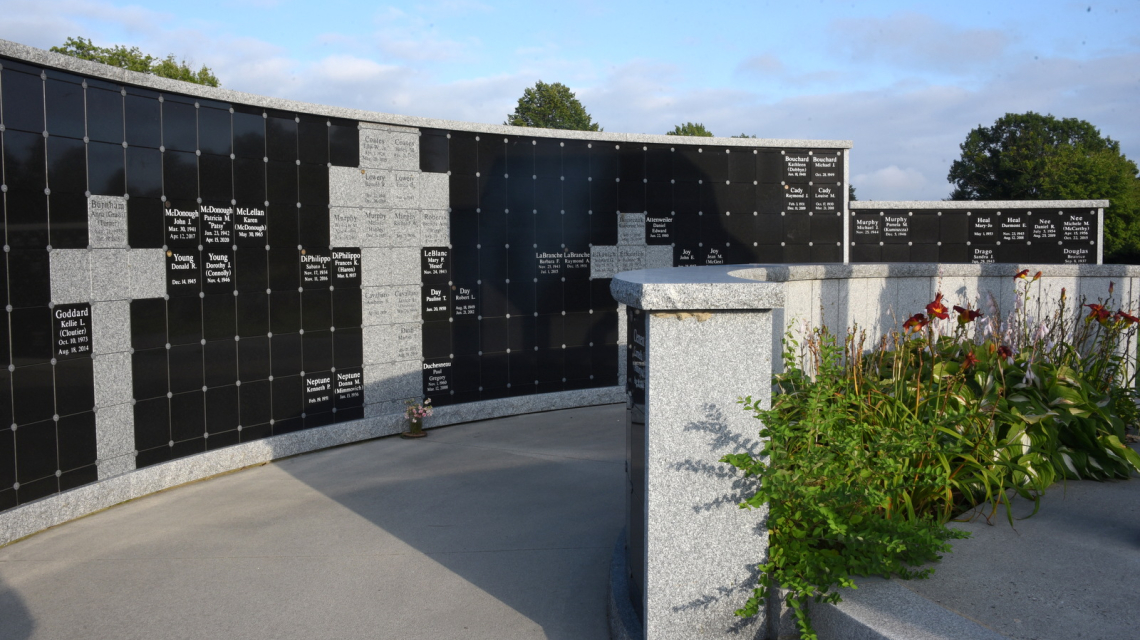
x: 286, y: 354
x: 253, y: 314
x: 179, y: 175
x: 74, y: 386
x: 433, y: 150
x: 344, y: 143
x: 313, y: 140
x: 179, y: 126
x: 249, y: 134
x: 22, y: 98
x: 285, y: 311
x: 348, y: 348
x: 149, y: 373
x: 288, y: 398
x: 143, y: 121
x: 26, y: 214
x: 186, y: 367
x: 32, y: 393
x: 462, y: 158
x: 281, y: 138
x: 215, y: 177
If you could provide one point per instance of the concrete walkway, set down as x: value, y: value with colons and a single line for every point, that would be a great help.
x: 1071, y: 571
x: 499, y: 529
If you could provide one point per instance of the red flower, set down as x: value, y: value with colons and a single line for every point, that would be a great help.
x: 970, y: 361
x: 1037, y: 276
x: 1098, y: 313
x: 936, y: 309
x: 917, y: 322
x: 1004, y: 352
x: 967, y: 314
x: 1126, y: 317
x: 1021, y: 275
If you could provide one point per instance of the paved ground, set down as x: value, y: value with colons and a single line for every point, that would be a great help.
x: 499, y: 529
x: 1071, y: 571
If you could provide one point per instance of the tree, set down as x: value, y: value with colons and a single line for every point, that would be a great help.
x: 851, y: 193
x: 1034, y: 157
x: 135, y: 60
x: 690, y: 129
x: 743, y: 135
x: 551, y: 106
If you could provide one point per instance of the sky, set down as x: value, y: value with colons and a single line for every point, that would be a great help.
x: 904, y: 81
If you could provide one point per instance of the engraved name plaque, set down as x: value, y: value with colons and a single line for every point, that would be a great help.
x: 71, y: 331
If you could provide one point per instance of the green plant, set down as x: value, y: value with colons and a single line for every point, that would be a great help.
x: 873, y: 445
x: 134, y: 59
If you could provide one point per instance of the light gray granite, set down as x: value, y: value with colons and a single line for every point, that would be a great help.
x: 345, y: 186
x: 380, y: 267
x: 631, y: 258
x: 387, y: 149
x: 147, y: 271
x: 699, y: 545
x: 112, y: 373
x: 631, y: 228
x: 114, y: 432
x: 998, y: 205
x: 107, y: 222
x: 406, y: 228
x: 388, y: 408
x: 658, y: 257
x: 392, y: 381
x: 346, y: 227
x: 603, y: 261
x: 70, y: 276
x: 110, y: 327
x: 116, y: 466
x: 436, y: 227
x: 882, y: 610
x: 114, y: 74
x: 392, y: 342
x: 695, y: 288
x: 378, y: 228
x: 107, y: 269
x: 434, y: 190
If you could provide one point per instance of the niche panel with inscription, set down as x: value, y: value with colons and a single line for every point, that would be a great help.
x: 981, y: 236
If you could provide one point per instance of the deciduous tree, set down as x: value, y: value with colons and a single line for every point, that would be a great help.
x: 1031, y: 156
x: 551, y: 106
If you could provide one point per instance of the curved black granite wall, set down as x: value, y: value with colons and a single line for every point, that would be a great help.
x: 227, y: 259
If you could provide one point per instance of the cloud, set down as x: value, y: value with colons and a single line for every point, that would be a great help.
x: 901, y: 183
x: 762, y: 65
x: 912, y: 40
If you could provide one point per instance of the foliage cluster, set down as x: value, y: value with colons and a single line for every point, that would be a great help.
x: 1031, y: 156
x: 551, y: 106
x: 874, y: 445
x: 135, y: 60
x: 690, y: 129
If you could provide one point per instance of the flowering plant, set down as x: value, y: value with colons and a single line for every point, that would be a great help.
x: 875, y: 442
x: 417, y: 411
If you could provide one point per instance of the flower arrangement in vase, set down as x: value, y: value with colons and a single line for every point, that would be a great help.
x: 415, y: 414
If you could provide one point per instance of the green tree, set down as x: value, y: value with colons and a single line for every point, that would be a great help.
x: 551, y: 106
x: 743, y: 135
x: 690, y: 129
x: 851, y: 193
x: 1039, y: 157
x: 135, y: 60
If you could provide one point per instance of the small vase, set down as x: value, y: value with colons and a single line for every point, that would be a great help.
x: 415, y: 429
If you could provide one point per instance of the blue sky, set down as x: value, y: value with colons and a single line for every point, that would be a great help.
x: 904, y: 81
